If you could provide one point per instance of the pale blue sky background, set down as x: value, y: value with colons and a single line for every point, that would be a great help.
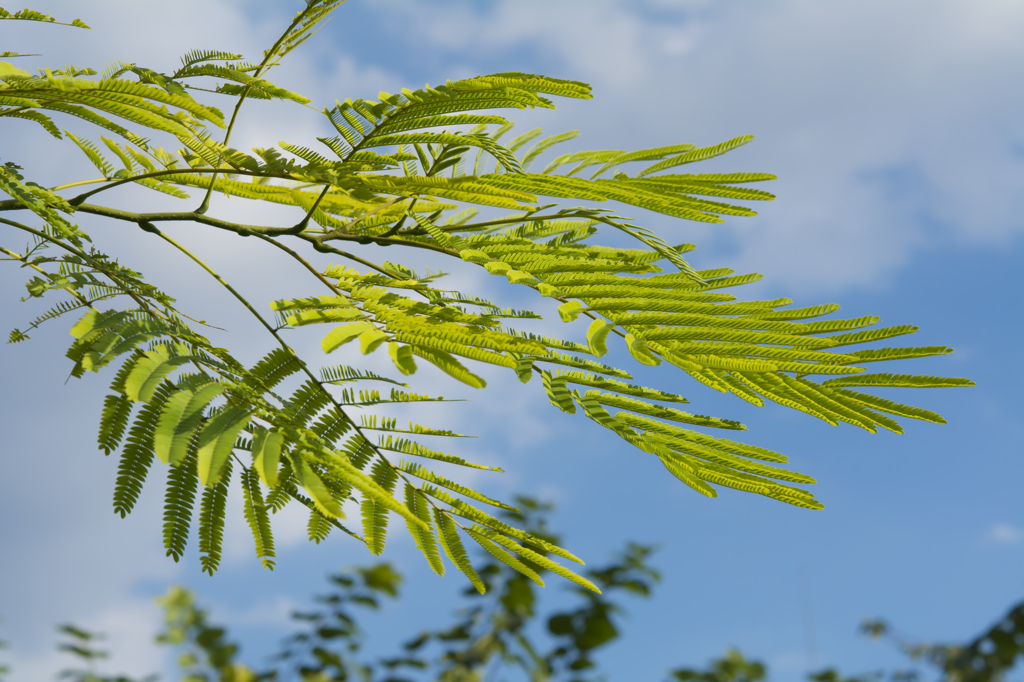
x: 897, y: 131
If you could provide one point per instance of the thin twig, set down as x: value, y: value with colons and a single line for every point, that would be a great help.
x: 245, y: 93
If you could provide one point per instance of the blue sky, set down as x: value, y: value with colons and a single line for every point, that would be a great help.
x: 897, y: 133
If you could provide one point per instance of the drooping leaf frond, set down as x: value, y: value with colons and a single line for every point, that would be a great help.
x: 256, y: 516
x: 211, y: 523
x: 179, y: 499
x: 137, y: 456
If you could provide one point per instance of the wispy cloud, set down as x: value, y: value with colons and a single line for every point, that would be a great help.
x: 1004, y: 534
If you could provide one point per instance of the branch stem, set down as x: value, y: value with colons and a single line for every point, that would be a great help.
x: 242, y: 229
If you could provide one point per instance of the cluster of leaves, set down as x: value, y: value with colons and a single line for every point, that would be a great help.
x: 412, y: 169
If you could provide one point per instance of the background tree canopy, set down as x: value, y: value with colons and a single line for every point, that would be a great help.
x: 500, y: 634
x: 254, y: 359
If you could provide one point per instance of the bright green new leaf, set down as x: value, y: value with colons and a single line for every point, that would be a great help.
x: 550, y: 291
x: 179, y: 420
x: 524, y: 368
x: 497, y: 267
x: 597, y: 335
x: 449, y: 365
x: 402, y: 356
x: 370, y: 488
x: 503, y: 556
x: 266, y: 454
x: 639, y: 350
x: 538, y: 559
x: 7, y: 69
x: 312, y: 483
x: 570, y: 311
x: 339, y: 336
x: 216, y: 441
x: 149, y: 371
x: 473, y: 256
x: 520, y: 277
x: 370, y: 340
x: 423, y: 533
x: 558, y: 394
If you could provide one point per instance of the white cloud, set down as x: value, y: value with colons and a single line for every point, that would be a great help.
x: 891, y: 126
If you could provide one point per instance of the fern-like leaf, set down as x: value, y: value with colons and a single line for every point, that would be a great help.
x: 137, y: 454
x: 318, y: 527
x: 179, y: 500
x: 891, y: 407
x: 427, y: 475
x: 256, y: 516
x: 375, y: 515
x: 697, y: 154
x: 900, y: 380
x: 448, y: 534
x: 537, y: 558
x: 423, y: 533
x: 211, y: 522
x: 113, y: 422
x: 504, y: 557
x: 408, y: 447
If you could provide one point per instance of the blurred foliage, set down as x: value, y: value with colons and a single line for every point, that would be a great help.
x: 3, y: 668
x: 986, y: 658
x: 83, y: 644
x: 502, y: 634
x: 732, y: 667
x: 493, y: 631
